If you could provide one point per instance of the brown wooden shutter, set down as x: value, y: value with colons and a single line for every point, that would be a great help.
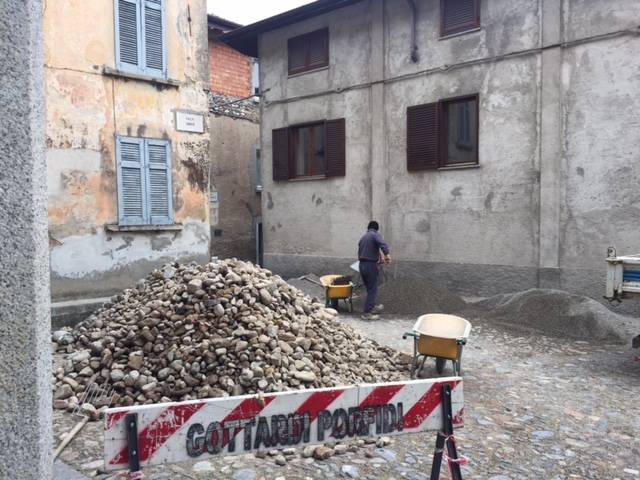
x: 308, y: 51
x: 335, y: 148
x: 318, y: 48
x: 459, y: 15
x: 298, y: 48
x: 280, y: 152
x: 423, y: 132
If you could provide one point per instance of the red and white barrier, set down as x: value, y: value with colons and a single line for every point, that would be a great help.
x: 175, y: 432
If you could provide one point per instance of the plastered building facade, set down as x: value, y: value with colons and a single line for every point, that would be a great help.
x: 95, y: 95
x: 557, y: 167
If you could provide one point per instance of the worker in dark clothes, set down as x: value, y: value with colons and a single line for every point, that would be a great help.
x: 372, y: 251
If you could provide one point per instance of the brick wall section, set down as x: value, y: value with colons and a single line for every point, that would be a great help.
x: 230, y: 71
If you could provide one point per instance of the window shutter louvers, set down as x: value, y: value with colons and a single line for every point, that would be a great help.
x: 131, y: 181
x: 309, y: 51
x: 128, y: 34
x: 154, y: 37
x: 423, y: 127
x: 458, y: 15
x: 318, y: 48
x: 335, y: 148
x: 297, y: 55
x: 159, y: 189
x: 280, y: 152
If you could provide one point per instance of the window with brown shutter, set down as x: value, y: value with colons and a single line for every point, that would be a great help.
x: 443, y: 134
x: 423, y: 134
x: 336, y: 159
x: 309, y: 51
x: 310, y: 150
x: 280, y: 145
x: 459, y: 122
x: 458, y: 16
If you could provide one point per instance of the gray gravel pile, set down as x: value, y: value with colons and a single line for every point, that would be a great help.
x: 411, y: 296
x: 557, y: 313
x: 225, y: 328
x: 400, y: 296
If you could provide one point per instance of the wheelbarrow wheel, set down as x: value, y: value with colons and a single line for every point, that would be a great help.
x: 334, y: 303
x: 440, y: 363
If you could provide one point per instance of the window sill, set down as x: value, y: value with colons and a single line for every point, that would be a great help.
x: 460, y: 167
x: 319, y: 69
x: 457, y: 34
x: 309, y: 178
x: 144, y: 228
x: 114, y: 72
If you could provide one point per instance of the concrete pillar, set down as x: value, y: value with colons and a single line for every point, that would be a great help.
x: 378, y: 139
x: 551, y: 152
x: 25, y: 347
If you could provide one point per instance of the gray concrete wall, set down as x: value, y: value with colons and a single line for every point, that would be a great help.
x: 600, y: 200
x: 25, y: 347
x: 233, y: 178
x: 319, y: 217
x: 558, y: 168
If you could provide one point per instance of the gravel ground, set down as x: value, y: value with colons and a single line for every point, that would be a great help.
x: 535, y: 408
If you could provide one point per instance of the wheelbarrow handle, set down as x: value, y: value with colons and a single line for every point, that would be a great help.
x: 409, y: 334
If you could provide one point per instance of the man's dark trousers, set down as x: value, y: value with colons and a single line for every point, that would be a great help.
x: 369, y: 274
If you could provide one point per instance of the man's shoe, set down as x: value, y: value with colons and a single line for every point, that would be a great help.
x: 378, y: 308
x: 370, y: 317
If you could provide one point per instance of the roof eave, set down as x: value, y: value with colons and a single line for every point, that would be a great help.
x: 215, y: 20
x: 245, y: 39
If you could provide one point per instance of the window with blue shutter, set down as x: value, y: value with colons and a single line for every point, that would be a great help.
x: 140, y: 36
x: 159, y: 181
x: 131, y: 181
x: 144, y: 181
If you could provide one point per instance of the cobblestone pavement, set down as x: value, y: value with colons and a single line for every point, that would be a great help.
x: 535, y: 408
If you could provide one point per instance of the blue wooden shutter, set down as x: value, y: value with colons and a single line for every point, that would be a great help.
x: 154, y: 37
x: 128, y: 35
x: 159, y: 196
x: 131, y: 181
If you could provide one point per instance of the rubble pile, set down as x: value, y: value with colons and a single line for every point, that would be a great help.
x: 225, y: 328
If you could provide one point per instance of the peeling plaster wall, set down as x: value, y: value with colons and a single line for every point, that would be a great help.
x: 85, y: 111
x: 557, y: 181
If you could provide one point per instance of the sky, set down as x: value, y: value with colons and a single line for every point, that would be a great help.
x: 250, y: 11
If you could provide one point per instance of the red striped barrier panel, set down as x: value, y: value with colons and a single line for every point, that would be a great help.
x: 199, y: 429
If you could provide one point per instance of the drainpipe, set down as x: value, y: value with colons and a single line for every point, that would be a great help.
x: 414, y: 44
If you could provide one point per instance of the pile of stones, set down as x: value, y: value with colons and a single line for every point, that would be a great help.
x: 200, y: 331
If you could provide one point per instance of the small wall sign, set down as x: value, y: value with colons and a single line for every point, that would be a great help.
x: 189, y: 122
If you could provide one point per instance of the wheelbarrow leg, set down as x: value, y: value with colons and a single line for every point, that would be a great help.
x: 458, y: 366
x: 414, y: 362
x: 417, y: 365
x: 424, y: 359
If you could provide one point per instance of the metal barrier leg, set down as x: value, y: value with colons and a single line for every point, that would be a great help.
x: 437, y: 457
x: 445, y: 439
x: 132, y: 447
